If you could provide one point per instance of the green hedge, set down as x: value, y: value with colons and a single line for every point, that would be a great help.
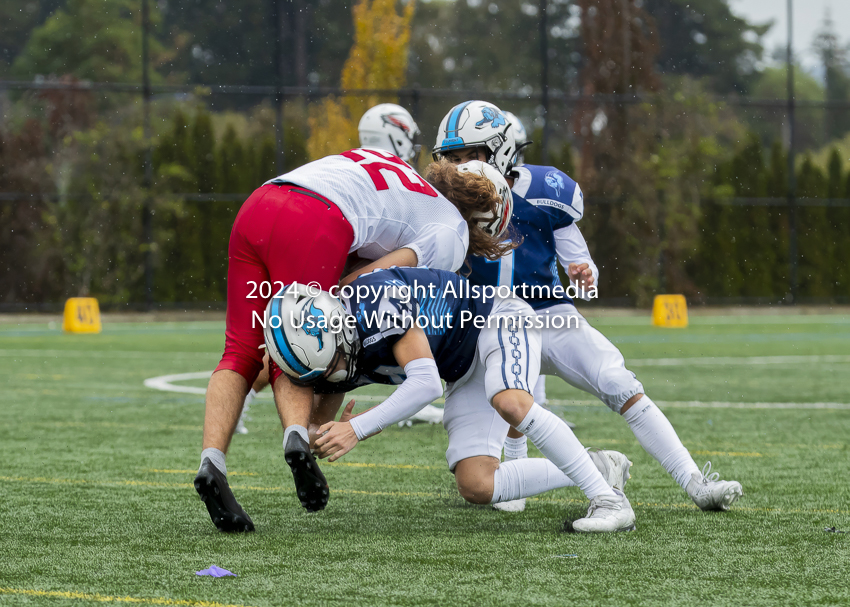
x: 743, y: 250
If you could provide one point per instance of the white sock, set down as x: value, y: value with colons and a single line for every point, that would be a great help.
x: 295, y: 428
x: 526, y: 477
x: 516, y: 448
x: 657, y: 436
x: 557, y: 442
x: 216, y: 457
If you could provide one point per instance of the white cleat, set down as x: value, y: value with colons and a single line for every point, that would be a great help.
x: 607, y: 514
x: 710, y: 493
x: 429, y: 415
x: 613, y: 465
x: 240, y: 425
x: 511, y: 506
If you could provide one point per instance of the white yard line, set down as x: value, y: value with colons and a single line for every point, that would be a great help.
x: 699, y: 404
x: 738, y: 360
x: 635, y: 362
x: 163, y: 382
x: 134, y: 354
x: 166, y: 383
x: 708, y: 320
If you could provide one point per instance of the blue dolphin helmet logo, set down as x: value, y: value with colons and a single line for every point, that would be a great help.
x: 491, y: 116
x: 315, y: 330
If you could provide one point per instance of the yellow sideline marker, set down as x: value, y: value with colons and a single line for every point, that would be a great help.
x: 670, y: 311
x: 82, y: 315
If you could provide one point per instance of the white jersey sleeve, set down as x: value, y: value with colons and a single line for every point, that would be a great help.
x: 571, y: 247
x: 441, y: 249
x: 389, y: 205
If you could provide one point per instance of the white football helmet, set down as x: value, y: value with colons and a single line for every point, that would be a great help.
x: 520, y: 136
x: 493, y: 224
x: 474, y: 124
x: 389, y: 127
x: 307, y: 336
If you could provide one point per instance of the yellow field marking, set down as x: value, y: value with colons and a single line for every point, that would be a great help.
x: 82, y: 481
x: 805, y: 446
x: 42, y: 479
x: 394, y: 466
x: 105, y: 598
x: 229, y: 473
x: 126, y: 426
x: 727, y: 453
x: 54, y: 377
x: 425, y: 494
x: 331, y: 464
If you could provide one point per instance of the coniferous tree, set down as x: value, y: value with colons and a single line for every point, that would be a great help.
x: 233, y: 178
x: 835, y: 68
x: 842, y: 287
x: 201, y: 226
x: 753, y: 230
x: 777, y: 187
x: 263, y: 165
x: 838, y: 226
x: 724, y: 259
x: 815, y: 247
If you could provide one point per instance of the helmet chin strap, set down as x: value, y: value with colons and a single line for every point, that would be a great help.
x: 395, y: 148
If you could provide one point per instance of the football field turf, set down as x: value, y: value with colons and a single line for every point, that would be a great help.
x: 98, y: 507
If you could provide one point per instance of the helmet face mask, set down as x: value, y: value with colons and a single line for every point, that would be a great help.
x: 343, y: 366
x: 391, y: 128
x: 308, y: 337
x: 520, y: 136
x: 475, y: 124
x: 494, y: 223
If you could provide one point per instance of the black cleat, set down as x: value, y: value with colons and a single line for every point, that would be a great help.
x: 310, y: 483
x: 226, y: 513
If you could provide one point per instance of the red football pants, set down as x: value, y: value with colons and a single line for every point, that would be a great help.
x: 280, y: 236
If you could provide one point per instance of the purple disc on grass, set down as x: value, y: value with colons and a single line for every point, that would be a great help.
x: 215, y: 571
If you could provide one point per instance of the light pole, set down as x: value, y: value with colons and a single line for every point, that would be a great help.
x: 792, y: 178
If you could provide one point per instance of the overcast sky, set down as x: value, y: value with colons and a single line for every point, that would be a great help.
x: 808, y: 19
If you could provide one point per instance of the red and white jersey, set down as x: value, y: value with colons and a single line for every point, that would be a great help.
x: 389, y: 205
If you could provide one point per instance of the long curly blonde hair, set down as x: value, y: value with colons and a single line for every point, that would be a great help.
x: 472, y: 193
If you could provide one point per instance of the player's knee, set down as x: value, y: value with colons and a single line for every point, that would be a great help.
x: 513, y: 405
x: 474, y: 481
x: 617, y: 385
x: 475, y: 490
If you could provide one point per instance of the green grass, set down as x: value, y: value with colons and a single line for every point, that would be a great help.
x: 97, y: 504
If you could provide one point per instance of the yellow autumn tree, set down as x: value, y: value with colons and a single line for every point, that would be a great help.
x: 377, y: 60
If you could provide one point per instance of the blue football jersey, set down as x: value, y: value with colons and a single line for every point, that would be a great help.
x: 545, y: 200
x: 399, y: 297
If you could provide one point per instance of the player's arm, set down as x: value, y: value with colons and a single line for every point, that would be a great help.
x: 574, y: 255
x: 403, y: 257
x: 421, y: 386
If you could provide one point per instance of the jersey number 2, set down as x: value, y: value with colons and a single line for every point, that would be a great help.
x: 387, y: 162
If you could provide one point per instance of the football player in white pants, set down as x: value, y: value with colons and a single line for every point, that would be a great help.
x: 489, y: 371
x: 547, y: 205
x: 521, y: 141
x: 387, y: 127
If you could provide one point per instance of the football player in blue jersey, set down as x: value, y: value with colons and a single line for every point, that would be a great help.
x: 412, y: 327
x: 547, y: 205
